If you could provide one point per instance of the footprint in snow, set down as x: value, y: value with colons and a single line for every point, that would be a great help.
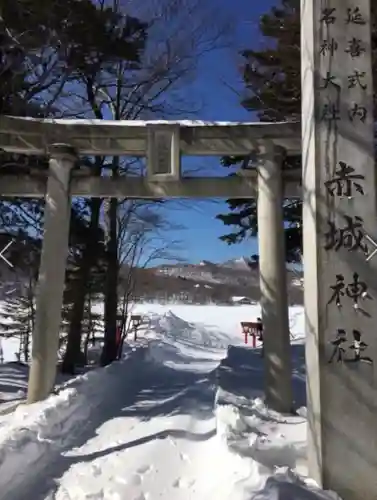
x: 144, y: 469
x: 121, y: 480
x: 142, y: 496
x: 96, y: 470
x: 135, y: 480
x: 172, y: 441
x: 184, y: 457
x: 183, y: 483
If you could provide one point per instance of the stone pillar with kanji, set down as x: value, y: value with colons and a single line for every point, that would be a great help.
x: 340, y: 231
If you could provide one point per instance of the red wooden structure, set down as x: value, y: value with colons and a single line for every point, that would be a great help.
x: 253, y: 329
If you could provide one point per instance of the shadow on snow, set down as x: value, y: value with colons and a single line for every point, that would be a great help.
x: 150, y: 390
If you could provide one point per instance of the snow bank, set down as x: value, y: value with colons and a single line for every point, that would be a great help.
x: 13, y: 381
x: 32, y: 433
x: 184, y: 345
x: 10, y: 347
x: 288, y: 486
x: 273, y: 444
x: 193, y: 334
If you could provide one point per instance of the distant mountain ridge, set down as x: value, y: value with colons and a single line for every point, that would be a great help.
x: 184, y: 282
x: 237, y: 277
x: 241, y: 263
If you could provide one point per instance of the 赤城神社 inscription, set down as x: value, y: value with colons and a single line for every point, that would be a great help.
x: 340, y: 295
x: 357, y: 346
x: 356, y: 290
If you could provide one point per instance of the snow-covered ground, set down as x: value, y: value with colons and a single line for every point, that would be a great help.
x: 175, y: 419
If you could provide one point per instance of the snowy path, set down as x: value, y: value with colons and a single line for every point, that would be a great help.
x: 144, y: 428
x: 151, y: 442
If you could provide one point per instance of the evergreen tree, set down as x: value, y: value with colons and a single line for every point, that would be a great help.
x: 273, y: 91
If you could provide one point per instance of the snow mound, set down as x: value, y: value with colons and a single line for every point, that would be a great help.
x: 13, y: 381
x: 288, y: 486
x: 32, y: 433
x: 194, y: 334
x: 10, y: 347
x: 275, y: 448
x: 185, y: 345
x: 273, y: 444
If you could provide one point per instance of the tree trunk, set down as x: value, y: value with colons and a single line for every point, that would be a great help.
x: 31, y: 312
x: 88, y: 258
x: 110, y: 348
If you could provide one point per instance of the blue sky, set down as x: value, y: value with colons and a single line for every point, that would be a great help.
x: 221, y: 101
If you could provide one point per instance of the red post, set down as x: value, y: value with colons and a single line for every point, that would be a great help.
x: 246, y: 333
x: 254, y: 339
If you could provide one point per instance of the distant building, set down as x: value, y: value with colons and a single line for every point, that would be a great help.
x: 242, y: 301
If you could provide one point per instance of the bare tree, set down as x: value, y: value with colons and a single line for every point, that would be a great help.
x: 178, y: 34
x: 143, y: 246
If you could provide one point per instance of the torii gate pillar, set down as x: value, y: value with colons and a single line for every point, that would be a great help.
x: 51, y: 274
x: 273, y: 281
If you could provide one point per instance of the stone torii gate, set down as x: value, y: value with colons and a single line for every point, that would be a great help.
x: 162, y: 143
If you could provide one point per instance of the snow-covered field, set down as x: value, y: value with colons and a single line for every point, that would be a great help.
x: 175, y: 419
